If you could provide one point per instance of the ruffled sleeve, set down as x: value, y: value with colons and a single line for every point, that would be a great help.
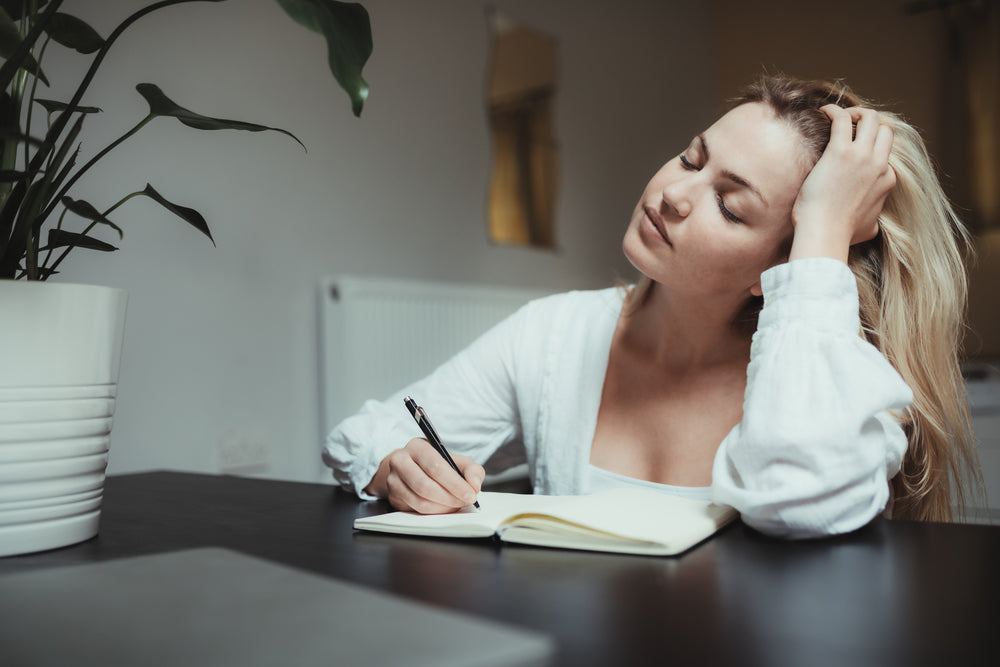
x: 818, y: 441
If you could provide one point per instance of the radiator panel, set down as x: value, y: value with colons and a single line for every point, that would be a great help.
x: 378, y: 335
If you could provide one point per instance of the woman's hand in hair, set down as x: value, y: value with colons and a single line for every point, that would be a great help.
x: 418, y: 479
x: 842, y: 197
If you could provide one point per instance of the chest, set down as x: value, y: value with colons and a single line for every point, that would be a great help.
x: 665, y: 428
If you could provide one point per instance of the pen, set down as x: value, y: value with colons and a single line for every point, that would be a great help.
x: 425, y: 425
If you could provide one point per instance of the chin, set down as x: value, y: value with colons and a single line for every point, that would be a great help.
x: 635, y: 251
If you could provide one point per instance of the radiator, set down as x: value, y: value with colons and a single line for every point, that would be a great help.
x: 378, y: 335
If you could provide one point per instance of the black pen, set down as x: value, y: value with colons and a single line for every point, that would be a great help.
x: 425, y: 425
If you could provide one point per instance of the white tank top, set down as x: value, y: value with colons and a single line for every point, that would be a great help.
x: 599, y: 479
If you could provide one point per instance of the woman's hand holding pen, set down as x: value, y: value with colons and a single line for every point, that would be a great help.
x: 842, y: 197
x: 417, y: 479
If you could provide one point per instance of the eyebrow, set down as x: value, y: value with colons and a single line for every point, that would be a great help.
x: 739, y: 180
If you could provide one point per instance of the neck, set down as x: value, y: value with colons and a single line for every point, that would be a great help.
x: 685, y: 333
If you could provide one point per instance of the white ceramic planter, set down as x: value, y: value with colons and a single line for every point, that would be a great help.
x: 60, y: 347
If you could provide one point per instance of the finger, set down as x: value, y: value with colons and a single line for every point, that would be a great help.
x: 402, y: 497
x: 840, y: 123
x: 867, y: 123
x: 421, y: 490
x: 883, y: 142
x: 437, y: 469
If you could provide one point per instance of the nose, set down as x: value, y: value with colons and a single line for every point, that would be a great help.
x: 677, y: 198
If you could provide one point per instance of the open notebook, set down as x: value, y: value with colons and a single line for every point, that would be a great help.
x: 634, y: 521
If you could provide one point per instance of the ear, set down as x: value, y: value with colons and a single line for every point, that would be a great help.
x: 756, y: 289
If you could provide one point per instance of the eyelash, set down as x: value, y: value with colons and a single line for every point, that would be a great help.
x: 726, y: 213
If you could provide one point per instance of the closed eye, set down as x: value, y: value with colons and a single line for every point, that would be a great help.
x: 688, y: 164
x: 726, y: 213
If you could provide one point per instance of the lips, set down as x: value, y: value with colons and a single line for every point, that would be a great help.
x: 657, y: 221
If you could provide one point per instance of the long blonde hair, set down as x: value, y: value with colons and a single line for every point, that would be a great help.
x: 912, y: 287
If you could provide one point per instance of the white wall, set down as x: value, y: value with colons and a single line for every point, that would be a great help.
x: 221, y: 345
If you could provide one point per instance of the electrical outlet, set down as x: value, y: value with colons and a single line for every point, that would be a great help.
x: 243, y: 452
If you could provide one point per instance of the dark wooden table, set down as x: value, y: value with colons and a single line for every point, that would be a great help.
x: 893, y: 593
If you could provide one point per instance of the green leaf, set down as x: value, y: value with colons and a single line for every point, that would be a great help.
x: 10, y: 40
x: 161, y: 105
x: 87, y: 211
x: 52, y: 106
x: 191, y: 216
x: 15, y: 7
x: 59, y: 238
x: 73, y: 33
x: 348, y: 34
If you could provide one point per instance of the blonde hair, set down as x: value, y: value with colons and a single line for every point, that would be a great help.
x: 912, y: 287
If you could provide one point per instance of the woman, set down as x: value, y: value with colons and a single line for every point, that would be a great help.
x: 801, y: 214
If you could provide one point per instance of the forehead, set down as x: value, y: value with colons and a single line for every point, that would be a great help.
x: 753, y: 143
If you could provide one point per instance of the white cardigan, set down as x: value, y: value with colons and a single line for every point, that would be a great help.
x: 812, y: 455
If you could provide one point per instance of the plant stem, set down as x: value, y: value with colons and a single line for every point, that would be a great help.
x: 28, y: 110
x: 48, y: 253
x: 63, y: 118
x: 82, y: 170
x: 31, y: 257
x: 11, y: 66
x: 10, y: 259
x: 65, y: 252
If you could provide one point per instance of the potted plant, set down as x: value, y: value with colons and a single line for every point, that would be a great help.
x: 60, y: 343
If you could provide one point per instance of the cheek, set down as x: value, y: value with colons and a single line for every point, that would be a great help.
x: 737, y: 252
